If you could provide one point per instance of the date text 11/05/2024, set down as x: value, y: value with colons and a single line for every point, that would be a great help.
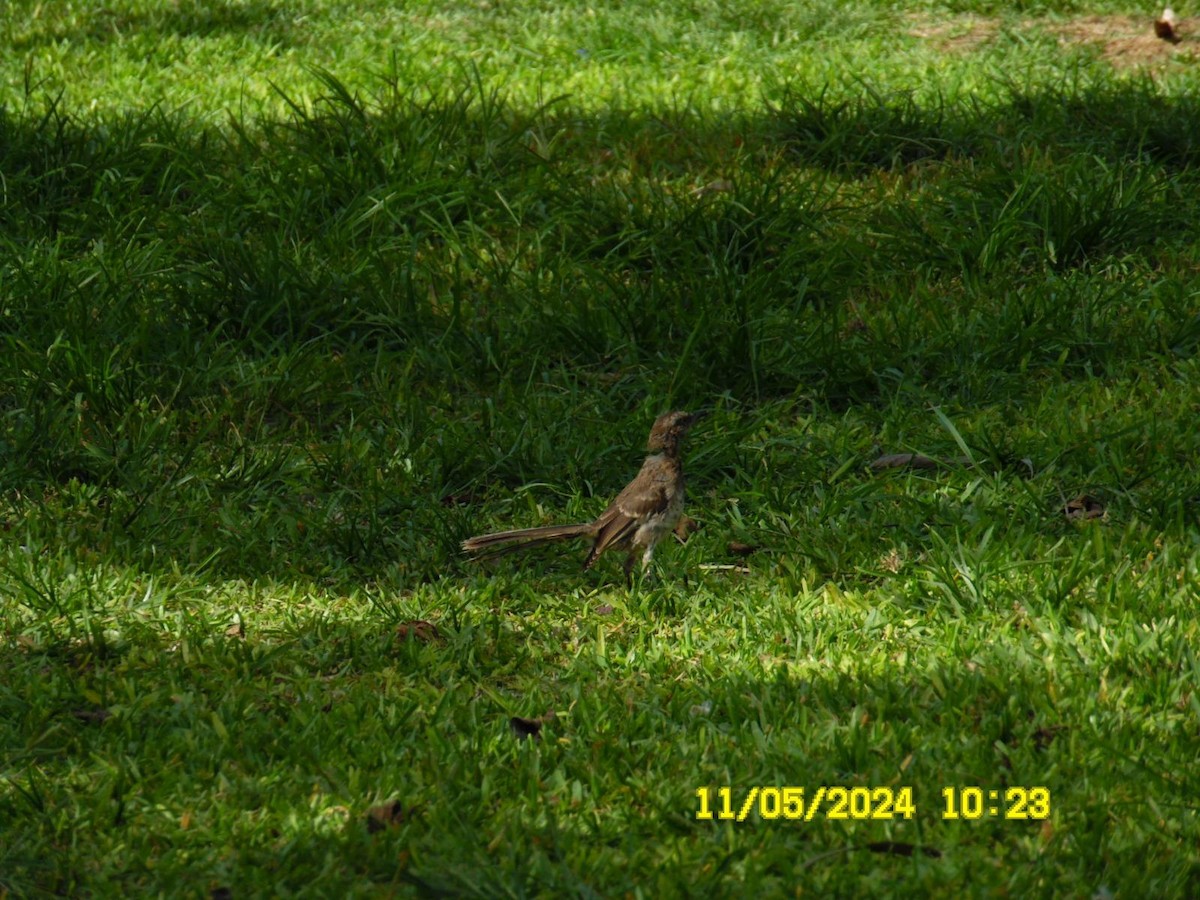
x: 881, y: 803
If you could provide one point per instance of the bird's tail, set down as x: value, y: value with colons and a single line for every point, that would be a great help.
x: 523, y: 538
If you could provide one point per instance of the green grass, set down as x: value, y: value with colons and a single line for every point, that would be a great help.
x: 295, y: 298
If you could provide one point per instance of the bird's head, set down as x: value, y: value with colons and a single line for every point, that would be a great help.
x: 669, y: 429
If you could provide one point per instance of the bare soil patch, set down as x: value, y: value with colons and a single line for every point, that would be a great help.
x: 1123, y: 41
x: 1129, y: 41
x: 960, y: 34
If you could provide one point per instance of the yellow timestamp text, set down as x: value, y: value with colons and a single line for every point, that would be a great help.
x: 996, y: 803
x: 797, y: 803
x: 728, y: 804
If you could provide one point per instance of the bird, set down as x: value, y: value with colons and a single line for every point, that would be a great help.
x: 646, y: 510
x: 1166, y: 27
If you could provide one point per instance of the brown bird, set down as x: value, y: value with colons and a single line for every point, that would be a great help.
x: 635, y: 521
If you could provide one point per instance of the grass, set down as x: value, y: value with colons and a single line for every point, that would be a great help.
x: 297, y: 305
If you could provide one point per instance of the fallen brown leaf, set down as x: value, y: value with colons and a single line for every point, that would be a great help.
x: 418, y: 629
x: 236, y: 630
x: 720, y: 186
x: 900, y: 460
x: 524, y: 729
x: 91, y: 715
x: 1084, y: 506
x: 853, y: 326
x: 722, y: 567
x: 902, y: 848
x: 387, y: 815
x: 1044, y: 736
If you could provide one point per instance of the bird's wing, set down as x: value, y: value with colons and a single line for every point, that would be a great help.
x: 647, y: 495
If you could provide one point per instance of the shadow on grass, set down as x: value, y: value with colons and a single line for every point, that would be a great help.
x: 271, y: 341
x: 269, y: 22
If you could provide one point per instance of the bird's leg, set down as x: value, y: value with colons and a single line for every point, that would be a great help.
x: 645, y: 573
x: 629, y: 570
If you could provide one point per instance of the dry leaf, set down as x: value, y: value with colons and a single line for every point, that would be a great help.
x: 902, y: 848
x: 388, y: 815
x: 236, y: 630
x: 918, y: 461
x: 720, y: 186
x: 605, y: 609
x: 1044, y: 736
x: 854, y: 326
x: 523, y: 729
x: 91, y: 715
x: 1085, y: 506
x: 900, y: 460
x: 418, y: 629
x: 891, y: 561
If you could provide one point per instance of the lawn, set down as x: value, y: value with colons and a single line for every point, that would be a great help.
x: 294, y: 297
